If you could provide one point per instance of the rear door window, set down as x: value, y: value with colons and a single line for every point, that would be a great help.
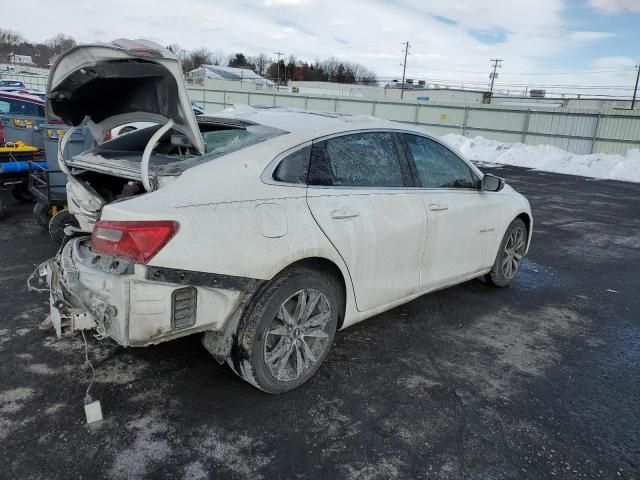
x: 358, y: 160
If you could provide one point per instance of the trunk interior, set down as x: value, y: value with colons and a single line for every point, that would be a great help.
x: 113, y: 169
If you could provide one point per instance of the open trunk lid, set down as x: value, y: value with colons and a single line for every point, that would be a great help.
x: 121, y: 82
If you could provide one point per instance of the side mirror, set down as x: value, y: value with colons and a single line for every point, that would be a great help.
x: 491, y: 183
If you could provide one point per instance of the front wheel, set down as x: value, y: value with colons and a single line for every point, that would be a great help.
x: 288, y: 331
x: 510, y: 255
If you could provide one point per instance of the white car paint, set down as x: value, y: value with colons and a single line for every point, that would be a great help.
x: 234, y: 222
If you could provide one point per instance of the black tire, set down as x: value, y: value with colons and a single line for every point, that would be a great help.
x: 501, y: 276
x: 58, y: 223
x: 21, y: 193
x: 253, y: 339
x: 42, y: 214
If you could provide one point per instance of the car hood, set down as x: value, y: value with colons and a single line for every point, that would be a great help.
x: 121, y: 82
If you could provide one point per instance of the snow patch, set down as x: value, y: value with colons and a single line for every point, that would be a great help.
x: 11, y: 400
x: 417, y: 382
x: 149, y: 448
x: 234, y: 452
x: 549, y: 158
x: 385, y: 468
x: 195, y: 471
x: 518, y: 348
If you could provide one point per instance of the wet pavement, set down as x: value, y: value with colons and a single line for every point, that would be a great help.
x: 540, y: 380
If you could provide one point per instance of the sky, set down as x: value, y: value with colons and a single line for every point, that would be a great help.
x: 543, y: 43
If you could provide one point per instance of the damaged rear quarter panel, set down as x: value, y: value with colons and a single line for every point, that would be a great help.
x: 150, y: 316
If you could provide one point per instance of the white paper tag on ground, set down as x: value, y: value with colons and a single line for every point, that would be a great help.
x: 93, y: 411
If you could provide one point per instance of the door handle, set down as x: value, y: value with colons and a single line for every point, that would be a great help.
x: 339, y: 214
x: 436, y: 207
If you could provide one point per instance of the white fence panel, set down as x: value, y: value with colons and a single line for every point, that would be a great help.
x: 437, y: 115
x: 576, y: 131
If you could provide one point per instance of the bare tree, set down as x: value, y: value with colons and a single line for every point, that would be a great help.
x: 182, y: 55
x: 198, y: 57
x: 178, y: 51
x: 60, y: 43
x: 218, y: 57
x: 260, y: 63
x: 9, y: 40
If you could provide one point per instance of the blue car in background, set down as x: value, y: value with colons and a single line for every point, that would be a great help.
x: 16, y: 86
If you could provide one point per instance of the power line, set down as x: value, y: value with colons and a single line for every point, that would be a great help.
x: 585, y: 72
x: 454, y: 81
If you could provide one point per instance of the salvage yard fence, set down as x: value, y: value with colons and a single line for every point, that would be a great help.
x: 32, y: 77
x: 577, y: 131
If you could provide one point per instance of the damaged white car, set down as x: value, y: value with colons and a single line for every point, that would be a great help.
x: 267, y: 229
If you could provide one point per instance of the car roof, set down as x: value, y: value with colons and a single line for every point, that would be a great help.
x: 21, y: 96
x: 299, y: 121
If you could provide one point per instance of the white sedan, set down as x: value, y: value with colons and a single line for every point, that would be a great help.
x: 267, y: 229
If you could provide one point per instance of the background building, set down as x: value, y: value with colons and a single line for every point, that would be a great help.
x: 221, y: 78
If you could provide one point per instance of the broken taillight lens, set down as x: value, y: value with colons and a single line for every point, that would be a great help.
x: 137, y: 241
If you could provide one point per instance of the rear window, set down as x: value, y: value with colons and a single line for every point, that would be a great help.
x: 219, y: 142
x: 222, y: 138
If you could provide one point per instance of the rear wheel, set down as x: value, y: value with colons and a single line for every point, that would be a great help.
x: 510, y: 255
x: 288, y: 331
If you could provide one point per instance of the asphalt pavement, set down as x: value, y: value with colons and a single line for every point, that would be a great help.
x: 537, y: 381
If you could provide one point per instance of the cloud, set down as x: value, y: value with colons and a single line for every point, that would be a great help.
x: 450, y: 41
x: 586, y: 36
x: 284, y: 3
x: 615, y: 63
x: 490, y: 37
x: 613, y: 7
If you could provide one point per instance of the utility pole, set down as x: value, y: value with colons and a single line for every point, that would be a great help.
x: 404, y: 67
x: 635, y: 90
x: 494, y: 75
x: 279, y: 54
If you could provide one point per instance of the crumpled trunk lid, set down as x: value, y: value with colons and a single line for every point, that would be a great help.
x: 121, y: 82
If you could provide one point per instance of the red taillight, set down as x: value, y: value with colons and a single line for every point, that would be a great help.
x: 137, y: 241
x: 107, y: 136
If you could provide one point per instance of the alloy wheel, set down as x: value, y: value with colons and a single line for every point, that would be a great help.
x: 298, y: 335
x: 513, y: 252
